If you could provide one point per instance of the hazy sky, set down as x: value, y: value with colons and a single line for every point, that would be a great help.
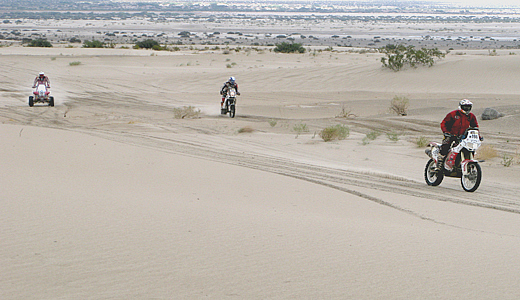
x: 487, y: 2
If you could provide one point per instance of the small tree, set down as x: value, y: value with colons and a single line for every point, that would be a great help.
x: 93, y: 44
x: 40, y: 43
x: 289, y: 48
x: 399, y: 56
x: 148, y: 44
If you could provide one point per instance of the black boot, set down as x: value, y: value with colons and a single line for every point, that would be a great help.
x: 440, y: 162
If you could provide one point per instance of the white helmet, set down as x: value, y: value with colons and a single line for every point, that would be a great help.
x: 41, y: 74
x: 465, y: 106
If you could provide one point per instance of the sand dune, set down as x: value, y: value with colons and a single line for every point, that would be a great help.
x: 108, y: 196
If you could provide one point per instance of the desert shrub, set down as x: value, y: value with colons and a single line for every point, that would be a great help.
x: 393, y: 136
x: 487, y: 152
x: 273, y: 122
x: 507, y: 160
x: 246, y: 129
x: 301, y: 127
x: 149, y: 44
x: 421, y: 142
x: 399, y: 105
x: 373, y: 135
x: 186, y: 112
x: 345, y: 112
x: 289, y: 48
x: 397, y: 57
x: 74, y: 40
x: 39, y: 43
x: 336, y: 132
x: 370, y: 137
x: 74, y: 63
x: 93, y: 44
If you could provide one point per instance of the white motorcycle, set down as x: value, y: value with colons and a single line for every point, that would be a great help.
x: 41, y: 95
x: 229, y: 103
x: 459, y: 162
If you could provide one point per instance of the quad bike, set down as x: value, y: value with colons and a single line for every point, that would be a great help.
x: 229, y: 103
x: 459, y: 162
x: 41, y: 95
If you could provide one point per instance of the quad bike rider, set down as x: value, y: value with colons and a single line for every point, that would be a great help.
x: 41, y: 94
x: 454, y: 125
x: 42, y: 79
x: 230, y: 84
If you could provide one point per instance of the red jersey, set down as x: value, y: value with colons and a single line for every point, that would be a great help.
x: 456, y: 122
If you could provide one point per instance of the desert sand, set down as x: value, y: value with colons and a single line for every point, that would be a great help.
x: 108, y: 196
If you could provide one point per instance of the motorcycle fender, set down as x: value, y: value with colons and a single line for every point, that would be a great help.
x: 464, y: 165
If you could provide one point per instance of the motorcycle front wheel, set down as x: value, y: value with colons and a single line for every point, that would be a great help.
x: 31, y: 101
x: 232, y: 111
x: 471, y: 180
x: 431, y: 175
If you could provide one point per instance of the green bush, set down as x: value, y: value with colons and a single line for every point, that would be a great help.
x: 149, y: 44
x: 337, y: 132
x: 289, y: 48
x: 93, y: 44
x: 397, y: 57
x: 40, y: 43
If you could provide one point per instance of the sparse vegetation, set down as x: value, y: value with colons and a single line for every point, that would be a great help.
x: 300, y: 128
x: 289, y: 48
x: 399, y: 105
x: 74, y: 63
x: 346, y: 112
x: 336, y: 132
x: 370, y: 137
x: 93, y: 44
x: 186, y: 112
x: 393, y: 136
x: 40, y: 43
x: 149, y: 44
x: 397, y: 57
x: 246, y: 129
x: 273, y: 122
x: 507, y: 160
x: 421, y: 142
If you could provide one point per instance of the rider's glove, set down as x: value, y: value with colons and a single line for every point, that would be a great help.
x: 238, y: 93
x: 481, y: 138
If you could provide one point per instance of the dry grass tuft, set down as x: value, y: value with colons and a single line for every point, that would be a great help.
x: 246, y: 129
x: 399, y: 105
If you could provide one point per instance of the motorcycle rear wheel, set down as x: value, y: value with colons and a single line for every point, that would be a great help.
x: 51, y: 101
x: 433, y: 177
x: 471, y: 181
x: 31, y: 101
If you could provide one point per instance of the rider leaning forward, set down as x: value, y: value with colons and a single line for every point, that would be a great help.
x: 454, y: 125
x: 42, y: 79
x: 231, y: 83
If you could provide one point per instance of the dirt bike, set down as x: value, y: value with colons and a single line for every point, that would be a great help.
x: 41, y: 94
x: 229, y: 103
x: 459, y: 162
